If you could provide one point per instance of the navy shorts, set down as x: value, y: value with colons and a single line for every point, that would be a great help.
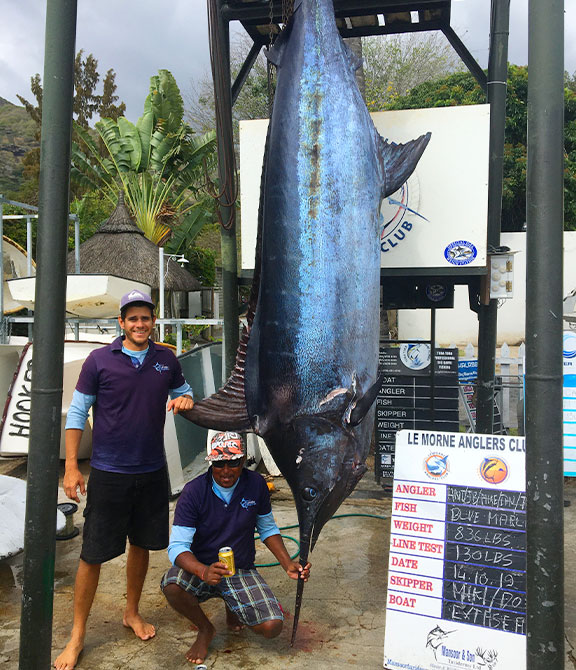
x: 120, y: 506
x: 245, y: 593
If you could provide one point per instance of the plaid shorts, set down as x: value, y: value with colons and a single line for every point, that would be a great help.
x: 245, y: 593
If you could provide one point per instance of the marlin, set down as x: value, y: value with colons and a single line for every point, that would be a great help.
x: 306, y: 370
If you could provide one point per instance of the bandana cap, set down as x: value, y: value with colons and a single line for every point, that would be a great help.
x: 225, y: 447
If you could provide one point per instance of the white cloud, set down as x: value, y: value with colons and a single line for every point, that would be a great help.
x: 137, y: 38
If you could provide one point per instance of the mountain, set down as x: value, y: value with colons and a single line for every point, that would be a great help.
x: 17, y: 136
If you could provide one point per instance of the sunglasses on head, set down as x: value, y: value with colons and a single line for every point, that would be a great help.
x: 233, y: 463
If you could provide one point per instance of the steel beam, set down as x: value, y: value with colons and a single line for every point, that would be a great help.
x: 461, y: 49
x: 245, y: 70
x: 220, y: 58
x: 488, y: 314
x: 261, y: 11
x: 544, y: 434
x: 49, y: 327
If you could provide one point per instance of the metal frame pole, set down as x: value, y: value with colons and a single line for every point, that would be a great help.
x: 47, y: 367
x: 220, y: 46
x: 488, y: 315
x: 544, y: 430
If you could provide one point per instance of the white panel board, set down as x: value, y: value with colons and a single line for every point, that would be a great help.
x: 438, y: 218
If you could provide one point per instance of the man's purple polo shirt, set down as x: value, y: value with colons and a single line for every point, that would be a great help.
x: 130, y: 406
x: 219, y: 524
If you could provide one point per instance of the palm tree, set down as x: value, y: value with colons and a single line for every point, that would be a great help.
x: 160, y: 163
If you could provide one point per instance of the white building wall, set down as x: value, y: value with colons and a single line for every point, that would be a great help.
x: 460, y: 325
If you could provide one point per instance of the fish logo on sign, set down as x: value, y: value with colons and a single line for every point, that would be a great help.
x: 436, y: 466
x: 415, y: 356
x: 493, y: 470
x: 435, y: 639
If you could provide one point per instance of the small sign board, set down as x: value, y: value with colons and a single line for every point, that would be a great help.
x: 406, y: 401
x: 569, y: 403
x: 457, y: 566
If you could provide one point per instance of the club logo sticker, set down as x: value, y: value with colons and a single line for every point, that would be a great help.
x: 460, y: 252
x: 415, y: 356
x: 493, y: 470
x: 569, y: 346
x: 436, y: 466
x: 399, y: 215
x: 436, y: 292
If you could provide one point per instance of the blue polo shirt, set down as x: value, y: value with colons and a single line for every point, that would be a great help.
x: 220, y: 524
x: 130, y: 406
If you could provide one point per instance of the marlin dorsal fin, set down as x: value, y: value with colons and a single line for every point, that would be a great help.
x: 398, y: 162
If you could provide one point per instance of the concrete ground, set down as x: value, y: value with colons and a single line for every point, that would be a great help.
x: 343, y: 613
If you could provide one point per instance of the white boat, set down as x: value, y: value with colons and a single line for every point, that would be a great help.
x: 15, y: 264
x: 15, y: 424
x: 89, y: 296
x: 12, y: 516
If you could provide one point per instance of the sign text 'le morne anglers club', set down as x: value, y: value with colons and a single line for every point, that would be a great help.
x: 457, y: 569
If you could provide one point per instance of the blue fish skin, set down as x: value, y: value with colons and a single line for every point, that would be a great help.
x: 313, y: 348
x: 305, y: 378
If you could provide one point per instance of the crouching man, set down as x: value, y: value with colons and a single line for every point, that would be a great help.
x: 222, y: 508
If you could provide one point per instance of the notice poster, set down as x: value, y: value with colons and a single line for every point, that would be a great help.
x: 569, y: 402
x: 457, y: 567
x: 407, y: 398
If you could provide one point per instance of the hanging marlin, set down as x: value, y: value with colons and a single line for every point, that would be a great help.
x: 306, y: 370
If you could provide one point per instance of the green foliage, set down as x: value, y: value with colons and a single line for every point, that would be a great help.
x: 17, y: 136
x: 395, y: 64
x: 462, y: 89
x: 202, y: 264
x: 87, y: 102
x: 252, y: 103
x: 92, y: 210
x: 159, y: 162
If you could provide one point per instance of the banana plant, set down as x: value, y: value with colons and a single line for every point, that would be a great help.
x: 159, y: 162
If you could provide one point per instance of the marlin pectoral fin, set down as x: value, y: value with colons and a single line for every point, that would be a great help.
x: 364, y: 403
x: 399, y: 161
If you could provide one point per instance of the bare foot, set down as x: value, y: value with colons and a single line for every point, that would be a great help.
x: 233, y: 622
x: 141, y: 628
x: 69, y: 657
x: 197, y: 652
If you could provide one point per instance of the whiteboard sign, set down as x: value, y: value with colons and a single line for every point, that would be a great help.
x: 457, y: 568
x: 437, y: 219
x: 569, y: 402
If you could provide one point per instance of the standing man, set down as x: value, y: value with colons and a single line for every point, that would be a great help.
x: 223, y: 508
x: 128, y: 383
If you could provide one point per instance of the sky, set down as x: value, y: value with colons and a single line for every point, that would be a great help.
x: 139, y: 37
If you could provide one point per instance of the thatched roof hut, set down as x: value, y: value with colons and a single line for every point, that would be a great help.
x: 120, y: 248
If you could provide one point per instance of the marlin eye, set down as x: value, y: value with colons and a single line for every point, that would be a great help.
x: 309, y: 494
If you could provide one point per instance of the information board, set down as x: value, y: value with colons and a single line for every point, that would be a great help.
x: 457, y: 567
x: 569, y: 402
x: 468, y: 377
x: 406, y: 401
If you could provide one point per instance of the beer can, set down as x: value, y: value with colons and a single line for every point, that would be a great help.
x: 226, y: 555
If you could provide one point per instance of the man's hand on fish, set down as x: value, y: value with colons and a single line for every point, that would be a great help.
x: 296, y: 571
x: 180, y: 404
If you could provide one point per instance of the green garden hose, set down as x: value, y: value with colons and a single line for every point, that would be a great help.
x: 295, y: 525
